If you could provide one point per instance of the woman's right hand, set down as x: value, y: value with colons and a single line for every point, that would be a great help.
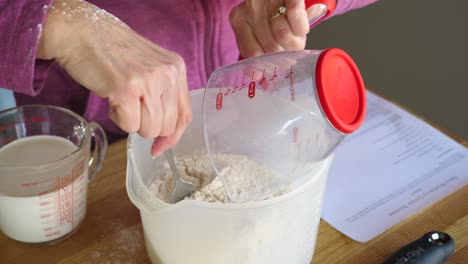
x: 145, y: 84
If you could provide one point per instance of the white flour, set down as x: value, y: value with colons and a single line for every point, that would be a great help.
x: 283, y: 231
x: 84, y: 10
x: 243, y: 176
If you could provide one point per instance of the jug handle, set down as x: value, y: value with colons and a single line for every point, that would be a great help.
x: 328, y: 6
x: 97, y: 155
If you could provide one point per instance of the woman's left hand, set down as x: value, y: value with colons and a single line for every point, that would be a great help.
x: 259, y: 31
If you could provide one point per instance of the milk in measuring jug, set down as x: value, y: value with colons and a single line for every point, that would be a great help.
x: 58, y: 208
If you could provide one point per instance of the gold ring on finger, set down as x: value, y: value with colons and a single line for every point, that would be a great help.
x: 281, y: 11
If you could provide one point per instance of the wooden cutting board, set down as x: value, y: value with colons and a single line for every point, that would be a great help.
x: 112, y: 232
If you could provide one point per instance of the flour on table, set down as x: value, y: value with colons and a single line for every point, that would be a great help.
x: 243, y: 176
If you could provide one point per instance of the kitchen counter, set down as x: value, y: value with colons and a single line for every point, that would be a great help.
x: 112, y: 232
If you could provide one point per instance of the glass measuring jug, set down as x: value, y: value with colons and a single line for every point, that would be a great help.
x: 285, y: 111
x: 46, y: 164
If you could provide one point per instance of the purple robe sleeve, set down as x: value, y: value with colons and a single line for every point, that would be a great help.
x: 20, y: 29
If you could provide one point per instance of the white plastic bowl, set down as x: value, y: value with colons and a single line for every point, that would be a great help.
x: 279, y: 230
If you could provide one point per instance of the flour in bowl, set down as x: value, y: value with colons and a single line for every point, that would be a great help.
x: 242, y: 175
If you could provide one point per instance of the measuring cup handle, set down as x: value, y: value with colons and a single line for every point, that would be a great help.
x: 100, y: 148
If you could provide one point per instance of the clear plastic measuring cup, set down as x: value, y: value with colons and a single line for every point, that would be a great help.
x: 45, y: 156
x: 284, y: 111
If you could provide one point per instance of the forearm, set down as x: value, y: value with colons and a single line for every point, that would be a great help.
x: 36, y: 32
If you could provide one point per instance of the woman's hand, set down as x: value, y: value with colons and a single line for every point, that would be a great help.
x: 257, y: 33
x: 145, y: 84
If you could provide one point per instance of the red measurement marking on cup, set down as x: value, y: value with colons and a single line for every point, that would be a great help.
x: 2, y: 128
x: 59, y: 202
x: 30, y: 120
x: 290, y: 76
x: 251, y: 89
x: 227, y: 89
x: 263, y: 81
x: 7, y: 140
x: 44, y: 203
x: 219, y: 101
x: 275, y: 74
x: 34, y: 119
x: 66, y: 198
x: 51, y: 202
x: 38, y: 119
x: 236, y: 87
x: 32, y: 184
x: 46, y: 215
x: 53, y: 234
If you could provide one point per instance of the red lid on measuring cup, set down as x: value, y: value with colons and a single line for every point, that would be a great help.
x: 340, y: 90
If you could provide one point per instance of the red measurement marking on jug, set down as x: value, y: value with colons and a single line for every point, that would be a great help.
x: 275, y: 74
x: 251, y: 89
x: 236, y: 87
x: 243, y: 84
x: 219, y: 101
x: 34, y: 119
x: 66, y: 200
x: 37, y: 119
x: 33, y: 184
x: 56, y: 233
x: 226, y: 86
x: 263, y: 81
x: 44, y: 203
x: 289, y: 76
x: 8, y: 139
x: 2, y: 128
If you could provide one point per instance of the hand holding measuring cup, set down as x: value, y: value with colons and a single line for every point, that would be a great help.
x: 145, y: 84
x: 269, y: 26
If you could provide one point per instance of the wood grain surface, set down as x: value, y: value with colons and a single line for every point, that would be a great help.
x: 112, y: 232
